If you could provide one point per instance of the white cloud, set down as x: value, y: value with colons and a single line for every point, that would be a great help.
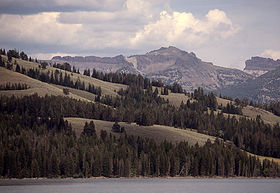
x: 182, y: 28
x: 136, y: 25
x: 274, y: 54
x: 42, y: 28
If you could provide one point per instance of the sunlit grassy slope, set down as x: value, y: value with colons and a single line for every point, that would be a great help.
x: 36, y: 86
x: 107, y: 88
x: 252, y: 112
x: 157, y: 132
x: 266, y: 116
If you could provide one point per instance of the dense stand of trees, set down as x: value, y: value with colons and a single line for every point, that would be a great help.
x: 15, y: 86
x: 274, y: 107
x: 47, y: 147
x: 232, y: 109
x: 133, y: 79
x: 16, y: 54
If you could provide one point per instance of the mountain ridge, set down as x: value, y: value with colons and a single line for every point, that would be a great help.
x: 168, y: 64
x: 262, y: 89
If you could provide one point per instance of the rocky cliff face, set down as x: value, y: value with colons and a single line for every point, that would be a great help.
x: 167, y: 64
x: 172, y: 65
x: 257, y: 66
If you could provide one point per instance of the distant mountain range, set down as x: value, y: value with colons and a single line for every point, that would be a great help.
x: 259, y: 81
x: 257, y: 66
x: 169, y: 65
x: 262, y: 89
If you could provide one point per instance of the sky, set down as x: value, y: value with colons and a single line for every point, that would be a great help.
x: 225, y: 32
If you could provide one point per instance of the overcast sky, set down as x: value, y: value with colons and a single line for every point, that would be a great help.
x: 225, y: 32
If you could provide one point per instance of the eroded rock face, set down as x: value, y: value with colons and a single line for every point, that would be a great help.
x: 168, y: 64
x: 258, y: 66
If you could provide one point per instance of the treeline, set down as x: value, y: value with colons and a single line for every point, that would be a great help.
x: 61, y: 79
x: 57, y: 78
x: 47, y: 147
x: 273, y: 106
x: 66, y: 66
x: 133, y: 79
x: 16, y: 54
x: 232, y: 109
x: 15, y: 86
x: 55, y: 107
x: 127, y: 79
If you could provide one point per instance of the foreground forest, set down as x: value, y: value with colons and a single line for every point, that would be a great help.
x: 36, y: 141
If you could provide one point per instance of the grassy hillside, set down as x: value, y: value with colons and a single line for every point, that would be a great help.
x: 36, y: 86
x: 252, y: 112
x: 157, y: 132
x: 222, y: 102
x: 266, y: 116
x: 107, y: 88
x: 248, y: 111
x: 176, y: 98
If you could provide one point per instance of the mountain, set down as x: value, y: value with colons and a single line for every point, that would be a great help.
x: 168, y: 64
x: 257, y: 66
x: 262, y: 89
x: 104, y: 64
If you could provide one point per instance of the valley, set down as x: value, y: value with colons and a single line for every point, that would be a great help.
x: 148, y: 110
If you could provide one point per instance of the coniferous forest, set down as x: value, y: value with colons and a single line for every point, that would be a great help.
x: 47, y: 147
x: 37, y: 142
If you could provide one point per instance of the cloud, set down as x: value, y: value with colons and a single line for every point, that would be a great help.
x: 123, y: 27
x: 35, y: 6
x: 274, y: 54
x: 182, y: 28
x: 42, y: 28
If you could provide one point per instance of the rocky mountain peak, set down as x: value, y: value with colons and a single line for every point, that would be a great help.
x: 168, y: 64
x: 171, y: 50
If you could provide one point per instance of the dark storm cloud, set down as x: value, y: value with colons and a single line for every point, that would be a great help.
x: 25, y: 7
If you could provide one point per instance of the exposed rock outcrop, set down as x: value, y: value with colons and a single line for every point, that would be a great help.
x: 257, y: 66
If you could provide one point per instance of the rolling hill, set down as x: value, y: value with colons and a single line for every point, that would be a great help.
x: 158, y: 132
x: 36, y: 86
x: 108, y: 88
